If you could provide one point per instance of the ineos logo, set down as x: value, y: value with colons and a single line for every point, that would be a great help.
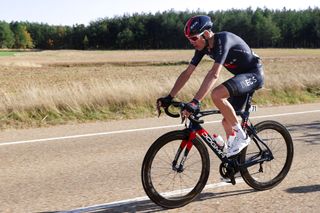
x: 194, y: 24
x: 248, y: 82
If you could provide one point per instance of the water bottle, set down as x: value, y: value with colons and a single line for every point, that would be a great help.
x: 219, y: 141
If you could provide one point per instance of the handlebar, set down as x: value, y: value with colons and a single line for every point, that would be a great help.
x: 181, y: 105
x: 175, y: 104
x: 194, y: 118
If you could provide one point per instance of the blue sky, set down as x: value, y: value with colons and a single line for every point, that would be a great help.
x: 69, y: 12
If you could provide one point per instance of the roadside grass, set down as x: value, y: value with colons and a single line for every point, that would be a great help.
x: 43, y: 116
x: 287, y: 96
x: 57, y: 87
x: 7, y: 53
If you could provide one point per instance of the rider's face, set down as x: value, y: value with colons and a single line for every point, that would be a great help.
x: 197, y: 42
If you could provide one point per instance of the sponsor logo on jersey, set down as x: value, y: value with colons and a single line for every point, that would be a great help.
x: 230, y: 64
x: 248, y: 82
x: 220, y: 46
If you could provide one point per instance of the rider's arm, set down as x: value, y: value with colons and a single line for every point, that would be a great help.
x: 182, y: 79
x: 208, y: 81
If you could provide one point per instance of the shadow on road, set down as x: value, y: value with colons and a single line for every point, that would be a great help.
x: 149, y: 206
x: 311, y: 132
x: 304, y: 189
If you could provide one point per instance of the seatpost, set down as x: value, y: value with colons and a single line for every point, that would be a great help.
x: 246, y: 113
x: 249, y: 100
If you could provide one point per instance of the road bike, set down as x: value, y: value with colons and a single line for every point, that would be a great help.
x: 176, y: 167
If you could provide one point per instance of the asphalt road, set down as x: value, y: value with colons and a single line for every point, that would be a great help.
x: 96, y: 167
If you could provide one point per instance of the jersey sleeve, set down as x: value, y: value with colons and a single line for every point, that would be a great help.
x: 222, y: 49
x: 198, y: 55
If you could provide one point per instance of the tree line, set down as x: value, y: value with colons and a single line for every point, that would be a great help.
x: 259, y: 28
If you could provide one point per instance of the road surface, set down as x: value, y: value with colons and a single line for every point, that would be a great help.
x: 96, y: 167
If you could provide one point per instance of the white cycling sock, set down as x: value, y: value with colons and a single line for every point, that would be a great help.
x: 239, y: 131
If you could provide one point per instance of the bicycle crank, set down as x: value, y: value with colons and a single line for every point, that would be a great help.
x: 227, y: 172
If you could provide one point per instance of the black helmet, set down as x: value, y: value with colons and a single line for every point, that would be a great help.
x: 197, y: 25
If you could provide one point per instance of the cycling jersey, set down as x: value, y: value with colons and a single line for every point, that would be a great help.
x: 230, y: 51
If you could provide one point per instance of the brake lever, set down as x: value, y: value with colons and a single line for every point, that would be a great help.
x: 183, y: 118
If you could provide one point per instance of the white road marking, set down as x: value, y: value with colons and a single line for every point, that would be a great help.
x: 145, y: 198
x: 137, y: 130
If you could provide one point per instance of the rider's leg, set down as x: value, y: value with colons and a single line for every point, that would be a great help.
x: 227, y: 128
x: 238, y: 87
x: 219, y: 96
x: 237, y: 138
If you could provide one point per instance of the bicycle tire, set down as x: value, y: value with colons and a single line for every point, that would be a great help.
x: 248, y: 176
x: 146, y: 177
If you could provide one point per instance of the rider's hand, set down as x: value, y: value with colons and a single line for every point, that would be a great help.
x: 192, y: 107
x: 164, y: 101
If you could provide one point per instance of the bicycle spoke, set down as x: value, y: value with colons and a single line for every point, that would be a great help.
x: 180, y: 178
x: 173, y: 181
x: 161, y: 168
x: 185, y: 184
x: 192, y: 164
x: 169, y: 157
x: 155, y: 175
x: 189, y: 176
x: 165, y: 176
x: 196, y: 170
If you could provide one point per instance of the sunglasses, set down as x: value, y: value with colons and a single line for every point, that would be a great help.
x: 195, y: 37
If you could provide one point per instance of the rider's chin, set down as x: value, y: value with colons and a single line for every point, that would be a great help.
x: 199, y: 48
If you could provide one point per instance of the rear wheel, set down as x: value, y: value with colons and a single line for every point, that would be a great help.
x: 269, y: 173
x: 163, y: 182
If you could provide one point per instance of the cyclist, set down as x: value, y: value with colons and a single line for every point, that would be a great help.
x: 229, y: 51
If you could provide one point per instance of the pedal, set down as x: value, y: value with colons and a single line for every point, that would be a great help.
x: 233, y: 180
x: 230, y: 174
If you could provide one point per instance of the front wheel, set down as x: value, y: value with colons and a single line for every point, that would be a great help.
x: 169, y: 179
x: 269, y: 173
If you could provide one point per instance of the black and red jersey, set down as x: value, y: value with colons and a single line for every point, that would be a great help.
x: 230, y: 51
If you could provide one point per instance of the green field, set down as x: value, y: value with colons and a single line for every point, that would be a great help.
x: 7, y: 53
x: 56, y: 87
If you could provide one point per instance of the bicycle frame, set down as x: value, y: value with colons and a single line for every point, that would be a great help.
x: 197, y: 131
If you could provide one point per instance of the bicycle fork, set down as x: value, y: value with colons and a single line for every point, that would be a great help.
x: 187, y: 144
